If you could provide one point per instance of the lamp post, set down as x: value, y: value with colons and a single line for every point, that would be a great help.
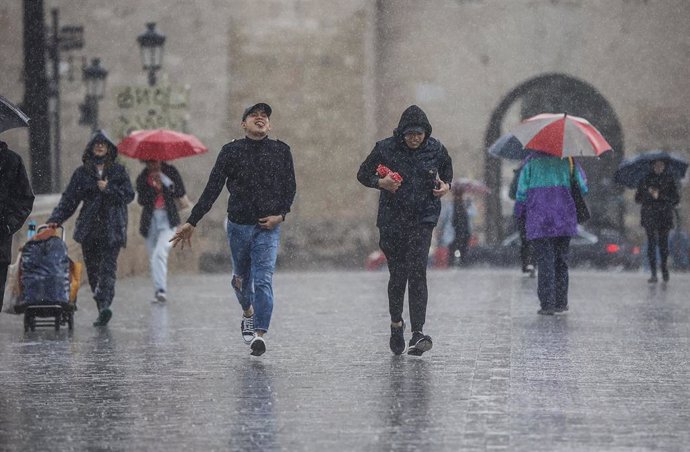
x: 65, y: 38
x: 94, y: 77
x: 151, y: 43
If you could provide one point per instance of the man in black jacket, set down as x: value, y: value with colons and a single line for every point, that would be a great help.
x: 260, y: 177
x: 16, y: 202
x: 408, y: 211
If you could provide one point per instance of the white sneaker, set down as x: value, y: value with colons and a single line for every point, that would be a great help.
x: 258, y: 346
x: 247, y: 327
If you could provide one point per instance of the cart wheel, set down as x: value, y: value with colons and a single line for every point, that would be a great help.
x: 27, y: 323
x: 70, y: 321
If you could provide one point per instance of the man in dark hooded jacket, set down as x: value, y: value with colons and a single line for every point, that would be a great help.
x: 658, y: 194
x: 16, y: 202
x: 104, y: 188
x: 408, y: 211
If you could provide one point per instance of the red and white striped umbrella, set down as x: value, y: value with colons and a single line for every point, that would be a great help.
x: 560, y: 135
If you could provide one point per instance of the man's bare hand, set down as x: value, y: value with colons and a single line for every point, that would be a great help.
x: 441, y: 190
x: 183, y: 236
x: 270, y: 222
x: 389, y: 184
x: 102, y: 184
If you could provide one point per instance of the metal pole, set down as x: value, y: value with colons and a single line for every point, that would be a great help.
x: 55, y: 56
x: 94, y: 104
x: 36, y: 96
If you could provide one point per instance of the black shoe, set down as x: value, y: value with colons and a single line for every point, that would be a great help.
x: 419, y: 344
x: 560, y: 311
x: 548, y: 311
x: 664, y: 275
x: 103, y: 317
x: 258, y: 346
x: 397, y: 341
x: 652, y: 279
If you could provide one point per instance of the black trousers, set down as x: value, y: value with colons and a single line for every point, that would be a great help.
x: 101, y: 269
x: 407, y: 252
x: 657, y: 237
x: 3, y: 280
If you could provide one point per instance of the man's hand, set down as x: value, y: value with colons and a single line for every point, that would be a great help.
x: 389, y: 184
x: 654, y: 192
x: 270, y: 222
x: 441, y: 190
x: 102, y: 184
x: 183, y: 236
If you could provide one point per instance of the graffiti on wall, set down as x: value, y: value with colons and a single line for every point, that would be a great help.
x: 151, y: 107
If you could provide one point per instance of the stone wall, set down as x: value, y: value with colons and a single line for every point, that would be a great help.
x: 338, y: 75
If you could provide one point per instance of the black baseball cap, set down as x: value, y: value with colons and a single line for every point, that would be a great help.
x: 414, y: 129
x: 256, y: 107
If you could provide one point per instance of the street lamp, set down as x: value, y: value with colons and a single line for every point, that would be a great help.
x: 151, y: 43
x: 94, y: 77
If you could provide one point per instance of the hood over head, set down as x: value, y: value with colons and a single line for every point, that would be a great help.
x: 413, y: 118
x: 99, y: 137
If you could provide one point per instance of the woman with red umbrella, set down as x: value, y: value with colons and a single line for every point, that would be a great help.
x: 158, y: 185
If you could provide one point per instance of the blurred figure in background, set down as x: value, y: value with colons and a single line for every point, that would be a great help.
x: 461, y: 227
x: 658, y: 195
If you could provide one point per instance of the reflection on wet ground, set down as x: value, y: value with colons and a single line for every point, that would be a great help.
x: 612, y: 374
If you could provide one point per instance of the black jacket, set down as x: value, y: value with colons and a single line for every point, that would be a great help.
x: 103, y: 216
x: 414, y: 201
x: 260, y: 178
x: 16, y: 199
x: 657, y: 213
x: 146, y: 196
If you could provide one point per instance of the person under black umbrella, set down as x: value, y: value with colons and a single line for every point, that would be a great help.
x: 658, y: 195
x: 16, y: 202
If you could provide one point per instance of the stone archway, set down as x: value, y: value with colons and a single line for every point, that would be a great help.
x: 555, y: 93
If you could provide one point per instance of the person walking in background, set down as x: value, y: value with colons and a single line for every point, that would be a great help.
x: 260, y: 177
x: 104, y: 188
x: 461, y: 227
x: 419, y: 173
x: 16, y: 202
x: 158, y: 185
x: 544, y: 188
x: 526, y: 248
x: 658, y: 194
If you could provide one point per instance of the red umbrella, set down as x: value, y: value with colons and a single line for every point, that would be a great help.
x: 160, y: 144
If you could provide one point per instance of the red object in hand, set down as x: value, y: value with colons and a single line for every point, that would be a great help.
x: 383, y: 171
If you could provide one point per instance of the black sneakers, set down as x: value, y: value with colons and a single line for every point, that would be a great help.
x: 247, y: 327
x: 664, y: 275
x: 419, y: 344
x: 397, y: 342
x: 258, y: 346
x: 547, y: 311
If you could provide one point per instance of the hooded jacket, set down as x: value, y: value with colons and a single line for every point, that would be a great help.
x: 544, y: 191
x: 103, y: 216
x: 657, y: 213
x: 16, y: 199
x: 414, y: 202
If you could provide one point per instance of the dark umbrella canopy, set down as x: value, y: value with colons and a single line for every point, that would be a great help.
x: 631, y: 171
x: 11, y: 116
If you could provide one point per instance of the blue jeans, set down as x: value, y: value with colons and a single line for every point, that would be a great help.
x: 254, y: 252
x: 552, y: 263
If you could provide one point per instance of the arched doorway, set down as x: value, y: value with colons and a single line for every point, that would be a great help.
x: 556, y: 93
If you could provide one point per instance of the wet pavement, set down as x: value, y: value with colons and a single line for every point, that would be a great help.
x: 613, y: 374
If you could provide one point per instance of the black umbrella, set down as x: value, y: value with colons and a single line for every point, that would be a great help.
x: 11, y: 116
x: 631, y: 171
